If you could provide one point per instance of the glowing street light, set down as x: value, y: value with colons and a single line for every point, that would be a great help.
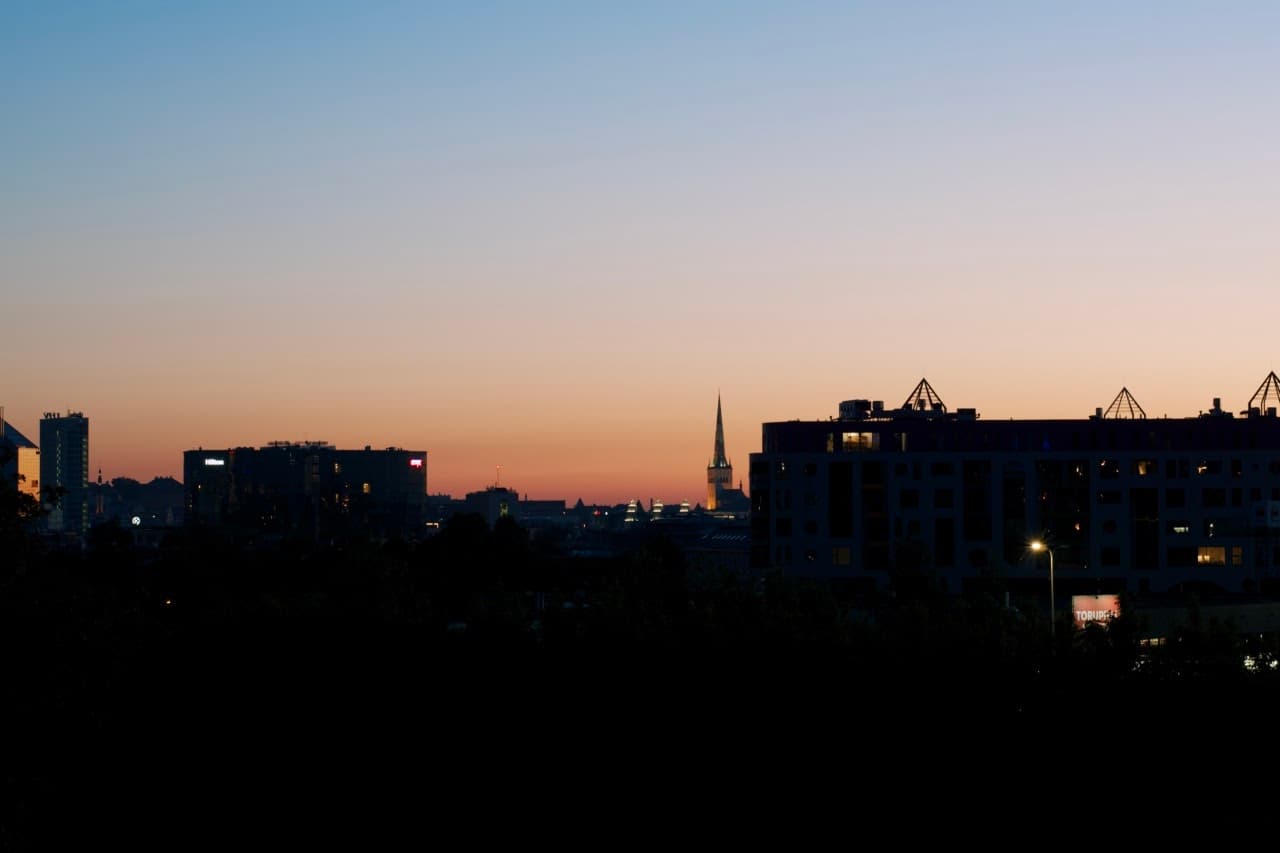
x: 1037, y: 546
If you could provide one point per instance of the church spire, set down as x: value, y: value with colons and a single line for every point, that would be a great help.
x: 719, y: 460
x: 719, y: 470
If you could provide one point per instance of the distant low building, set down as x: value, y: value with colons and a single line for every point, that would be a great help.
x: 493, y: 503
x: 308, y: 488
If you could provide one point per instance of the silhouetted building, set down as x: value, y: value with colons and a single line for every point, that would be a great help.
x: 722, y: 497
x: 1124, y: 501
x: 64, y: 471
x: 307, y: 488
x: 493, y: 503
x: 540, y: 514
x: 20, y: 459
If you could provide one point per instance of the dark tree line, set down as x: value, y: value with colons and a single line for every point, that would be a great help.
x: 491, y: 634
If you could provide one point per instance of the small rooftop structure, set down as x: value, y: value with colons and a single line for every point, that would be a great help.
x: 1266, y: 399
x: 924, y: 399
x: 1125, y: 407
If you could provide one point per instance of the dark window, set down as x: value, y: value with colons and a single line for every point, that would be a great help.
x: 943, y: 499
x: 783, y: 527
x: 810, y: 469
x: 840, y: 498
x: 909, y: 499
x: 811, y: 527
x: 1111, y: 496
x: 1175, y: 498
x: 944, y: 541
x: 943, y: 469
x: 1213, y: 497
x: 1109, y: 526
x: 1110, y: 556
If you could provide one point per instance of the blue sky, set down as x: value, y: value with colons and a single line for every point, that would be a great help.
x: 595, y: 217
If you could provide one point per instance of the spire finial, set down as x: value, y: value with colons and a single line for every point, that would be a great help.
x: 718, y: 458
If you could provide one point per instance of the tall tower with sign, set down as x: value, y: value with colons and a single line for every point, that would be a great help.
x: 64, y: 471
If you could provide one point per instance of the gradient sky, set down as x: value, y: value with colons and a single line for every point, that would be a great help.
x: 543, y: 235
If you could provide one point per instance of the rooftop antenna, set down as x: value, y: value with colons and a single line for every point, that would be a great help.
x: 497, y: 477
x: 1125, y: 407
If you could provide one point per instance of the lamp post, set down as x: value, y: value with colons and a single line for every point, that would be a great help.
x: 1038, y: 546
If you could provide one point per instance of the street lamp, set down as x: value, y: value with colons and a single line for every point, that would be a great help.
x: 1037, y: 546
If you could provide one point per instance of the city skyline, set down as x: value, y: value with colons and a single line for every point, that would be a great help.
x: 545, y: 238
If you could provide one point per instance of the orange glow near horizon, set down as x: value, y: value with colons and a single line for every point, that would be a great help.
x: 627, y: 451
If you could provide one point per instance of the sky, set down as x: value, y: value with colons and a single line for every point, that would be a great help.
x: 545, y: 236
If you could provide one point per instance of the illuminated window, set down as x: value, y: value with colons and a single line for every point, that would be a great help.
x: 337, y: 467
x: 1144, y: 467
x: 503, y: 510
x: 840, y: 555
x: 364, y: 487
x: 1211, y: 555
x: 1237, y: 555
x: 861, y: 441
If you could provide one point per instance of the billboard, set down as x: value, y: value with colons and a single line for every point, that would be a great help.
x: 1094, y: 608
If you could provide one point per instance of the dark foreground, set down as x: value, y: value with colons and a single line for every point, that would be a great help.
x: 140, y: 685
